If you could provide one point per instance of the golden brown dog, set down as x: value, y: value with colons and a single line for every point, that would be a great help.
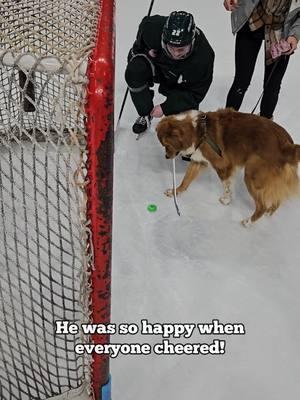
x: 228, y: 139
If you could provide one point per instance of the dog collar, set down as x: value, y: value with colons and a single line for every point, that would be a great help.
x: 207, y: 138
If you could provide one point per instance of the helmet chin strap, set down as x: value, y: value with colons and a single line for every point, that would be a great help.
x: 165, y: 48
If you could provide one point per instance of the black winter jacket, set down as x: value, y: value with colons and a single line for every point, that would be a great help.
x: 184, y: 82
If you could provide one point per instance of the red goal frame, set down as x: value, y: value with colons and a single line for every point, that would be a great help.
x: 100, y: 144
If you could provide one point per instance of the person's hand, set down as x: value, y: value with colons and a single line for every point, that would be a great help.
x: 230, y: 5
x: 152, y: 53
x: 157, y: 111
x: 293, y: 42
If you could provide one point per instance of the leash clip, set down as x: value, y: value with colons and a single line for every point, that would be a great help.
x: 203, y: 117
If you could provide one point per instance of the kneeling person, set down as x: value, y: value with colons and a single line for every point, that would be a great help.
x: 173, y: 52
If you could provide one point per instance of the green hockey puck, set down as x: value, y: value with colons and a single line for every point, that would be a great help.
x: 151, y: 207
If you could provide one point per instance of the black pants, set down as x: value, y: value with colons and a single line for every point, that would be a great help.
x: 139, y: 77
x: 247, y: 46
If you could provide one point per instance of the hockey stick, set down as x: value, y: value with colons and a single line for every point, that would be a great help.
x: 174, y: 189
x: 127, y: 90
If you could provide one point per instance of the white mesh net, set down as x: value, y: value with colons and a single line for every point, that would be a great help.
x: 44, y: 45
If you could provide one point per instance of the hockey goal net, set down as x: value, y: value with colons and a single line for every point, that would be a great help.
x: 56, y: 108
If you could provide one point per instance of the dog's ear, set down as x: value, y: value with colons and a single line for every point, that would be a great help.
x: 163, y: 128
x: 167, y: 127
x: 174, y: 131
x: 175, y: 138
x: 169, y: 133
x: 175, y: 134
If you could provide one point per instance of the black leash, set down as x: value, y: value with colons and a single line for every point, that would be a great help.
x: 207, y: 138
x: 268, y: 81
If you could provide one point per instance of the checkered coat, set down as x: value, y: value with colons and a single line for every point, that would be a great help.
x: 291, y: 24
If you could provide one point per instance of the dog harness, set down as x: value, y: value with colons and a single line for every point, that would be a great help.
x: 206, y: 138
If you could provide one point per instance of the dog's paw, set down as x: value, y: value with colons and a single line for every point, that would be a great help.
x: 169, y: 192
x: 247, y: 222
x: 225, y: 200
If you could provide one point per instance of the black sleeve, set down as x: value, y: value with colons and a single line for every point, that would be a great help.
x: 188, y: 95
x: 138, y: 45
x: 148, y: 35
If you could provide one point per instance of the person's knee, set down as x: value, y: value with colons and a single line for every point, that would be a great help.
x: 138, y: 73
x: 235, y: 97
x: 241, y: 84
x: 240, y: 89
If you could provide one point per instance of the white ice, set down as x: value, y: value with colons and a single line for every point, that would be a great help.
x: 203, y: 265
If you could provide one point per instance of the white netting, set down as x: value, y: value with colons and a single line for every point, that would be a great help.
x: 44, y: 45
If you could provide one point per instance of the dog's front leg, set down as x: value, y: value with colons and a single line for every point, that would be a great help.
x: 190, y: 174
x: 225, y: 173
x: 227, y: 195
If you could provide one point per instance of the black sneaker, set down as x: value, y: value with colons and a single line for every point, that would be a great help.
x: 141, y: 124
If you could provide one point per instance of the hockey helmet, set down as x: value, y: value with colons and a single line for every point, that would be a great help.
x: 179, y: 29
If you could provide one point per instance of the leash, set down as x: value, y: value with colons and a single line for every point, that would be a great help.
x: 268, y: 81
x: 207, y: 138
x: 213, y: 145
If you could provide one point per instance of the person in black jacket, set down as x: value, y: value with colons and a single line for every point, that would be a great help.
x: 173, y: 52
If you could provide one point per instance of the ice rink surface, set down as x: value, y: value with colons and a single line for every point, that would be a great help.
x: 203, y: 265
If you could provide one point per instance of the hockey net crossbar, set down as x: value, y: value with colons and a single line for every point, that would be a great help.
x: 75, y: 67
x: 46, y: 238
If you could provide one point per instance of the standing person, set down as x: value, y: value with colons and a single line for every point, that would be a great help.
x: 173, y: 52
x: 277, y: 23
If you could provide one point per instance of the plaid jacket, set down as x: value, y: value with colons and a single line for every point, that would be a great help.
x: 291, y: 24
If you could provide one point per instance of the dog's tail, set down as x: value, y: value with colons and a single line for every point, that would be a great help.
x: 272, y: 185
x: 283, y: 185
x: 292, y: 153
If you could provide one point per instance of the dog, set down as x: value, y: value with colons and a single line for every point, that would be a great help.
x: 227, y: 140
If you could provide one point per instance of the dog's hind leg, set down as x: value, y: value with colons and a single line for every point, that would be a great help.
x: 258, y: 213
x: 191, y: 173
x: 255, y: 180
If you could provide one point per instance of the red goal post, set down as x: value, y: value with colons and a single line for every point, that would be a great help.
x: 100, y: 102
